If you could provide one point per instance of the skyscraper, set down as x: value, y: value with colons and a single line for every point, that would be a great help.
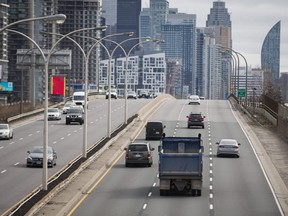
x: 270, y: 52
x: 219, y: 19
x: 179, y: 34
x: 80, y: 14
x: 128, y: 12
x: 159, y: 11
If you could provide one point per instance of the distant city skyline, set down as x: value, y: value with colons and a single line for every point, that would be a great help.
x: 250, y: 24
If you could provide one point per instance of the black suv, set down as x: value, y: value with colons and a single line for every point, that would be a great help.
x: 75, y: 114
x: 195, y: 119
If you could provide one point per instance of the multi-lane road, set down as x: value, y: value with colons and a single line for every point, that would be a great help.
x: 231, y: 186
x: 17, y: 181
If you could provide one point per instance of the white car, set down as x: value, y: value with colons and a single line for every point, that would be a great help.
x: 54, y: 114
x: 194, y: 99
x: 228, y: 147
x: 67, y: 106
x: 6, y: 131
x: 131, y: 94
x: 113, y: 94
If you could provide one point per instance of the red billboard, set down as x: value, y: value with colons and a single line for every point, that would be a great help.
x: 58, y: 85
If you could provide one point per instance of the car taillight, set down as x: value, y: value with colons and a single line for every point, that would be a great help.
x: 148, y: 154
x: 126, y: 155
x: 201, y: 119
x: 190, y: 119
x: 235, y: 147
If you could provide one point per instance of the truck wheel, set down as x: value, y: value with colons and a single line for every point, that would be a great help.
x: 198, y: 192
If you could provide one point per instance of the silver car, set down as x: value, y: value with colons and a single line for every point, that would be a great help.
x: 228, y: 147
x: 139, y: 153
x: 6, y: 131
x: 54, y: 114
x: 67, y: 106
x: 35, y: 157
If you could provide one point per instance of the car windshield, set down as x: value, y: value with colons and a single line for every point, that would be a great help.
x: 40, y: 150
x: 52, y: 110
x: 4, y: 126
x: 137, y: 148
x: 73, y: 110
x: 228, y: 142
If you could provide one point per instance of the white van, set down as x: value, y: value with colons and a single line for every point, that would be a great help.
x: 79, y: 98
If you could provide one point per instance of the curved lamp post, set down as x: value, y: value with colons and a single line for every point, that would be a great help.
x: 86, y: 60
x: 246, y: 80
x: 46, y: 63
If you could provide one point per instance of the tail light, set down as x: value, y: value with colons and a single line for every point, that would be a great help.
x: 190, y: 119
x: 235, y: 147
x: 148, y: 154
x: 201, y: 119
x: 126, y: 155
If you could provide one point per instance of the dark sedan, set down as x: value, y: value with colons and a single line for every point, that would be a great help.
x: 35, y: 157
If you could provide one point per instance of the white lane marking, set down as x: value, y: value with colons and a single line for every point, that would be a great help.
x: 154, y: 184
x: 211, y: 207
x: 16, y: 164
x: 54, y: 142
x: 211, y: 187
x: 30, y: 134
x: 21, y: 138
x: 11, y: 143
x: 75, y: 131
x: 144, y: 206
x: 211, y: 171
x: 150, y: 193
x: 1, y: 147
x: 211, y: 196
x: 69, y: 134
x: 211, y: 179
x: 62, y: 138
x: 38, y: 131
x: 3, y: 171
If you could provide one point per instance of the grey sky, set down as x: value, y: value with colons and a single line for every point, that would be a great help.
x: 251, y: 21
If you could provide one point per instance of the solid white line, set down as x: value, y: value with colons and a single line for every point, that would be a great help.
x: 3, y: 171
x: 144, y: 206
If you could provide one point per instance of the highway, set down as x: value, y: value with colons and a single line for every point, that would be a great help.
x: 17, y: 181
x: 231, y: 186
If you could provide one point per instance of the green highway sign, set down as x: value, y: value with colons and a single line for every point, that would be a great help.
x: 241, y: 92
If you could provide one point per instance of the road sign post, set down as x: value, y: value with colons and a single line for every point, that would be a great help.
x: 241, y: 93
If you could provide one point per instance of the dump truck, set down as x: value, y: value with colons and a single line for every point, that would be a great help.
x: 180, y: 165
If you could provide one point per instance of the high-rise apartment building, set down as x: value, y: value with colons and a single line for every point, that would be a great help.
x: 159, y: 10
x: 4, y: 42
x: 81, y: 14
x: 146, y: 28
x: 145, y: 72
x: 128, y: 12
x: 179, y: 34
x: 270, y: 52
x: 219, y: 19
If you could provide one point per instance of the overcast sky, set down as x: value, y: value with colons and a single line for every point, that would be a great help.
x: 251, y: 21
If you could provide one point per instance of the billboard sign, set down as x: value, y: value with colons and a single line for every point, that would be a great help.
x: 58, y: 85
x: 6, y: 87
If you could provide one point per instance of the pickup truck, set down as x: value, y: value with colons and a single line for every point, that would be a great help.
x: 180, y: 165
